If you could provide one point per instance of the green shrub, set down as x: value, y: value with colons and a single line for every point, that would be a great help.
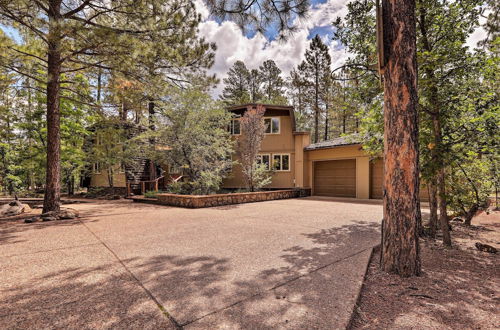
x: 151, y: 194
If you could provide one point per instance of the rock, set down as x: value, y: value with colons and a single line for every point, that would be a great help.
x: 14, y: 208
x: 486, y: 248
x: 457, y: 219
x: 67, y: 213
x: 63, y: 213
x: 31, y: 220
x: 49, y: 214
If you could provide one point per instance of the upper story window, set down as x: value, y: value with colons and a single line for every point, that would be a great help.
x: 272, y: 125
x: 234, y: 127
x: 281, y: 162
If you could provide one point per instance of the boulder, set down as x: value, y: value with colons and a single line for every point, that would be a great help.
x: 67, y: 213
x: 62, y: 214
x: 14, y: 208
x: 486, y: 248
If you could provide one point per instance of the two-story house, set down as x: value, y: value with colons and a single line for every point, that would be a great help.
x: 337, y: 167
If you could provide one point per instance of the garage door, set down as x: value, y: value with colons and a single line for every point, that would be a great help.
x: 376, y: 177
x: 335, y: 178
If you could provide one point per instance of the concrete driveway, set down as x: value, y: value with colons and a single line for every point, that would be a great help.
x: 295, y: 263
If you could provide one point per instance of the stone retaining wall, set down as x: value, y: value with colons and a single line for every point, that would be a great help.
x: 198, y: 201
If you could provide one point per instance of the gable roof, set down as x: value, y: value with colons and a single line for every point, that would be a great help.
x: 337, y: 142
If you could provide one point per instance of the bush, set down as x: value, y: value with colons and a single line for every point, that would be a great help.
x: 151, y: 194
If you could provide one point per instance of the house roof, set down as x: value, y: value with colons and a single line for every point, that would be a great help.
x: 272, y: 109
x: 267, y: 106
x: 337, y: 142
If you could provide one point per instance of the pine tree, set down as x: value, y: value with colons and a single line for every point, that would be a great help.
x: 236, y: 89
x: 400, y: 247
x: 316, y: 69
x: 273, y: 83
x: 254, y: 85
x: 298, y: 88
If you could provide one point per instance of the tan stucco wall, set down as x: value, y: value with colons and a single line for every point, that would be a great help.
x: 101, y: 179
x: 301, y: 140
x: 280, y: 179
x: 283, y: 143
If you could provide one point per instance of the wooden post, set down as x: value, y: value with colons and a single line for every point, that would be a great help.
x: 143, y: 187
x: 400, y: 250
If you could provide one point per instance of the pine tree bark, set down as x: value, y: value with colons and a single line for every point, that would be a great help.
x: 400, y: 247
x: 52, y: 198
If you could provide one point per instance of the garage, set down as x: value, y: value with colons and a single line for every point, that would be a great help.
x: 376, y: 177
x: 336, y: 178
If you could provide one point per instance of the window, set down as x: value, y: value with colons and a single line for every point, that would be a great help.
x: 272, y: 125
x: 96, y: 168
x: 122, y: 168
x: 234, y: 127
x: 281, y: 162
x: 264, y: 159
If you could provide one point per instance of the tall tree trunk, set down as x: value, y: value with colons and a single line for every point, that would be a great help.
x: 111, y: 177
x: 316, y: 106
x: 400, y: 248
x: 326, y: 122
x: 433, y: 205
x: 151, y: 113
x: 441, y: 179
x: 52, y: 198
x: 99, y: 87
x: 344, y: 110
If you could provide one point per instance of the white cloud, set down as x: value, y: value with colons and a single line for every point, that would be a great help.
x: 232, y: 45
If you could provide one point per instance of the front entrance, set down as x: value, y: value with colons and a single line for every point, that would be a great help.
x: 336, y: 178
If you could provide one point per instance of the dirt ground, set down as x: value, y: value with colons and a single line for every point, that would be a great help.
x: 459, y: 287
